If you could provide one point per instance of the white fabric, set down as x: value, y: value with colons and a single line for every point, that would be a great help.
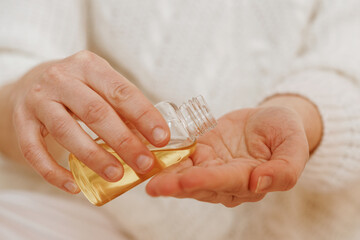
x: 234, y: 53
x: 25, y: 215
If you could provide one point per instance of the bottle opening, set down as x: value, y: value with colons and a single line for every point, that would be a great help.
x: 196, y: 116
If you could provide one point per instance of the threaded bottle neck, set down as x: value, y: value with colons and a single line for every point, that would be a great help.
x: 196, y: 117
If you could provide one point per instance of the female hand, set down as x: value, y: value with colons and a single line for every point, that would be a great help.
x: 249, y: 153
x: 86, y: 86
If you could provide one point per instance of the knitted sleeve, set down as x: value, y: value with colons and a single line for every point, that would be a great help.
x: 327, y: 72
x: 34, y: 31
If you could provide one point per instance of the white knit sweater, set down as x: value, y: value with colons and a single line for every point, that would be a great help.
x: 235, y: 53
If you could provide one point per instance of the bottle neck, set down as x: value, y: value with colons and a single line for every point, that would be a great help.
x: 196, y: 117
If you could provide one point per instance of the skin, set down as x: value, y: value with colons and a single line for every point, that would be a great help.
x: 251, y: 152
x: 84, y: 86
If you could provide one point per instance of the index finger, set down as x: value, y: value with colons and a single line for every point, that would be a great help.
x: 127, y: 100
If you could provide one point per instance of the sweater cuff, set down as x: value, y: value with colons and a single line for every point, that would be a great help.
x: 335, y: 164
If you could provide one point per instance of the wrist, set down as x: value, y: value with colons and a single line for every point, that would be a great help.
x: 307, y: 111
x: 8, y: 140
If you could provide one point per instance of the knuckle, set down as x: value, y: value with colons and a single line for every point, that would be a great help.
x: 48, y: 174
x: 85, y: 56
x: 230, y: 204
x: 30, y: 151
x: 54, y: 74
x: 36, y: 89
x: 90, y: 156
x: 125, y: 142
x: 258, y: 149
x: 95, y: 111
x: 58, y: 127
x: 143, y: 115
x: 120, y: 92
x: 208, y: 196
x: 232, y: 201
x: 35, y: 98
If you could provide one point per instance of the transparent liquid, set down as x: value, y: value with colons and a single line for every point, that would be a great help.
x: 99, y: 191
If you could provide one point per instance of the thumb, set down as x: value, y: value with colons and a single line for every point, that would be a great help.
x: 274, y: 175
x: 282, y: 171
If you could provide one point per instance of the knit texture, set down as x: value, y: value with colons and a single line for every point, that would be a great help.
x: 235, y: 53
x: 335, y: 164
x: 36, y: 31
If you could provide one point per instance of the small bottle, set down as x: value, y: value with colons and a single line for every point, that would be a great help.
x: 186, y: 123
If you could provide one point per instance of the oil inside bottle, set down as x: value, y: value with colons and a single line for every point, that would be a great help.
x: 99, y: 191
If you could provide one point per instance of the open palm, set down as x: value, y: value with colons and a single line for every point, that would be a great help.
x: 249, y: 153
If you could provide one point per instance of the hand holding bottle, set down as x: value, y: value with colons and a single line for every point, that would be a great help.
x: 86, y: 86
x: 251, y: 152
x: 187, y: 122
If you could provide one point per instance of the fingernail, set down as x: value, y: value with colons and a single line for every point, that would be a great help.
x: 264, y: 182
x: 71, y: 187
x: 159, y: 134
x: 113, y: 172
x: 144, y: 162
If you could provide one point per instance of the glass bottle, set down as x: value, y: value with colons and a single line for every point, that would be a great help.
x: 192, y: 119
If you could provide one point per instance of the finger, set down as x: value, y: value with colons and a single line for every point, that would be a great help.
x: 34, y: 150
x: 201, y: 195
x: 166, y: 183
x: 203, y: 155
x: 282, y: 171
x: 209, y: 196
x: 126, y: 99
x: 70, y: 135
x: 228, y: 177
x: 103, y: 120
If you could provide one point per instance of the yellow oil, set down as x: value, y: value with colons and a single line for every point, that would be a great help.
x: 99, y: 191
